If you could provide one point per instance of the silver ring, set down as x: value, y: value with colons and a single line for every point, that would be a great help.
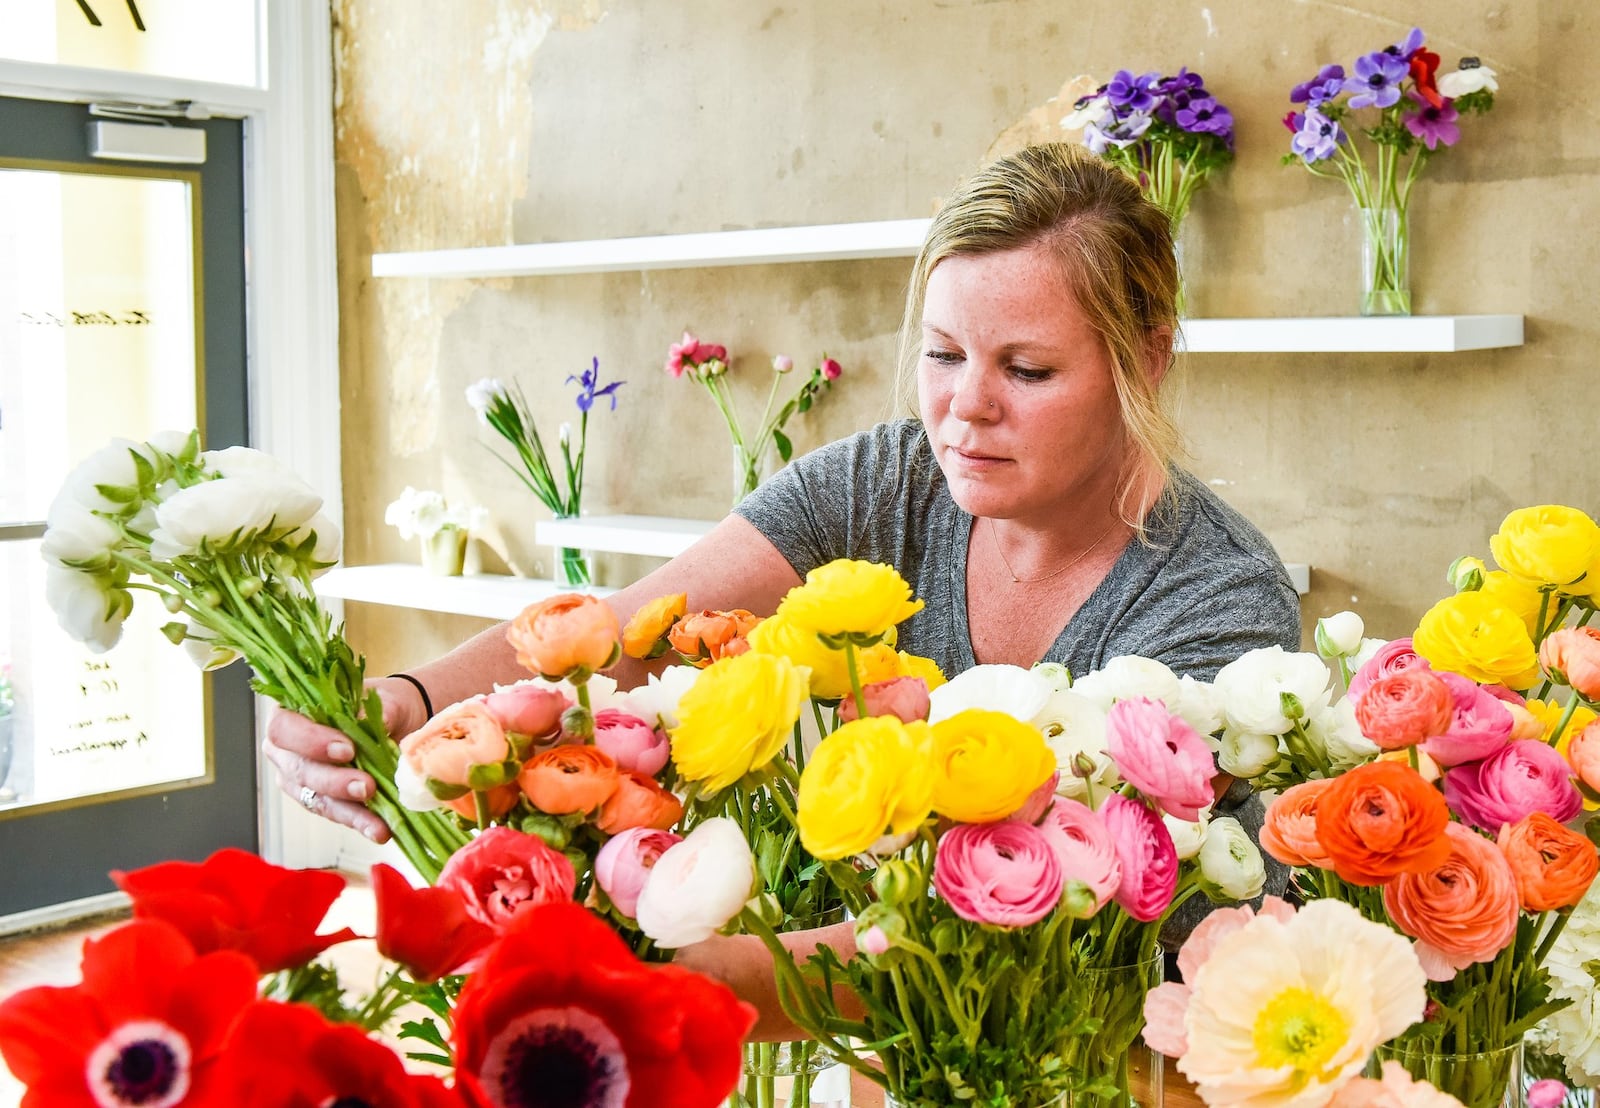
x: 308, y: 798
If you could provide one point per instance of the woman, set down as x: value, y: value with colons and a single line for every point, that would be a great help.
x: 1035, y: 508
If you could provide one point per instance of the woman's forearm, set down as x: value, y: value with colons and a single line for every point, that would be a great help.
x: 744, y: 964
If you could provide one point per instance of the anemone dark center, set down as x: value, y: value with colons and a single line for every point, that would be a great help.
x: 557, y: 1058
x: 350, y: 1102
x: 143, y: 1072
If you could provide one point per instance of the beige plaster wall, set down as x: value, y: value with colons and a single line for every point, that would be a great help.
x: 519, y: 120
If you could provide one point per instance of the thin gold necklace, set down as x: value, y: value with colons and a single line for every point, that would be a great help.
x: 994, y: 537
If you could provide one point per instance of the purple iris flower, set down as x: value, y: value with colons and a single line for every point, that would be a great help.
x: 1206, y: 116
x: 1434, y: 125
x: 1408, y: 45
x: 1328, y: 83
x: 1127, y: 93
x: 1318, y: 138
x: 1377, y: 80
x: 587, y: 390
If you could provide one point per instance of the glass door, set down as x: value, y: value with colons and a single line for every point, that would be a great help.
x: 121, y: 315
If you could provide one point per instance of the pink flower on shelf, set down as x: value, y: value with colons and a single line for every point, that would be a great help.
x: 782, y: 363
x: 1148, y: 857
x: 831, y: 370
x: 683, y: 349
x: 632, y: 743
x: 1160, y: 755
x: 1004, y: 874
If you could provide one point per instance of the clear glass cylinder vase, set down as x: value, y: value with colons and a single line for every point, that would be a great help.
x: 1385, y: 261
x: 790, y: 1075
x: 1118, y: 1069
x: 1021, y: 1100
x: 749, y: 470
x: 572, y: 567
x: 445, y: 552
x: 1488, y: 1079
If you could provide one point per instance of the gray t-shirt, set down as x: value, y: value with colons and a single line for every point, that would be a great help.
x: 1206, y: 588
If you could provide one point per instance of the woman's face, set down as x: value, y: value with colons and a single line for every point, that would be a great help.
x: 1015, y: 390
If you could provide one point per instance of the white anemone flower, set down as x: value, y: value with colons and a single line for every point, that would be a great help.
x: 1473, y: 78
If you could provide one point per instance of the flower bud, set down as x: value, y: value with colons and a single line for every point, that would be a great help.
x: 1058, y: 675
x: 782, y: 363
x: 879, y: 929
x: 556, y: 835
x: 831, y: 370
x: 577, y: 722
x: 210, y: 597
x: 1466, y: 574
x: 896, y: 882
x: 566, y: 434
x: 766, y: 906
x: 1083, y: 766
x: 1339, y: 635
x: 249, y: 586
x: 172, y: 602
x: 175, y: 632
x: 1078, y: 900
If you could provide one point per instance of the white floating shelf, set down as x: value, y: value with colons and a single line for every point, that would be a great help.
x: 487, y: 595
x: 890, y: 238
x: 657, y: 536
x: 1353, y: 335
x: 1299, y: 576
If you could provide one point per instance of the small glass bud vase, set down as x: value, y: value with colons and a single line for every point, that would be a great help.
x: 749, y: 470
x: 445, y: 552
x: 1385, y: 262
x: 1488, y: 1079
x: 572, y: 568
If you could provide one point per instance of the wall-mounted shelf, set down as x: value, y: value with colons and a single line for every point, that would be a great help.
x: 487, y: 595
x: 890, y: 238
x: 1353, y: 335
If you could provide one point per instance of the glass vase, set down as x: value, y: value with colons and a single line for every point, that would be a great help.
x: 1118, y: 1070
x: 445, y: 552
x: 1489, y: 1079
x: 572, y: 568
x: 749, y: 470
x: 1385, y: 262
x: 1021, y: 1100
x: 790, y: 1075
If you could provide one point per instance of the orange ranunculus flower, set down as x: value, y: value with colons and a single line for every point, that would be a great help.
x: 1461, y: 911
x: 565, y: 635
x: 706, y: 636
x: 502, y: 799
x: 567, y: 779
x: 1381, y: 820
x: 451, y: 743
x: 1572, y: 656
x: 644, y: 635
x: 639, y: 801
x: 1553, y: 866
x: 1405, y: 708
x: 1289, y: 833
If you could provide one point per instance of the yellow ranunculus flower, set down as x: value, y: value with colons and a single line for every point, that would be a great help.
x: 1548, y: 545
x: 1516, y: 594
x: 985, y: 764
x: 1475, y: 635
x: 736, y: 716
x: 641, y: 638
x: 1549, y: 712
x: 914, y: 665
x: 830, y: 677
x: 878, y: 662
x: 870, y: 778
x: 847, y: 596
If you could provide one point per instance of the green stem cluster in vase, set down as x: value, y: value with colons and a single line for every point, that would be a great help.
x: 506, y: 410
x: 1412, y: 112
x: 708, y: 364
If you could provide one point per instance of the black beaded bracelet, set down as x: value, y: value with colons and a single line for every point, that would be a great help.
x: 427, y: 703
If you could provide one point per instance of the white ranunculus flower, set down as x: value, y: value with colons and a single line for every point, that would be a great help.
x: 241, y: 461
x: 328, y: 546
x: 1187, y: 837
x: 1013, y: 690
x: 205, y: 651
x: 1339, y: 635
x: 413, y: 790
x: 656, y: 701
x: 1458, y: 82
x: 217, y: 510
x: 85, y: 608
x: 483, y: 392
x: 73, y: 533
x: 1252, y: 688
x: 111, y: 466
x: 1338, y: 735
x: 169, y: 442
x: 1129, y: 676
x: 1199, y: 706
x: 697, y: 885
x: 1230, y: 862
x: 1247, y: 753
x: 1074, y: 725
x: 1362, y: 656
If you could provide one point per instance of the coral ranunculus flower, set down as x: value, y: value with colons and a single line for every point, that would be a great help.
x: 568, y: 779
x: 1380, y: 820
x: 570, y: 635
x: 504, y: 872
x: 986, y: 765
x: 449, y: 745
x: 1289, y: 832
x: 706, y: 636
x: 426, y: 930
x: 1476, y: 636
x: 870, y: 778
x: 562, y: 1003
x: 646, y: 628
x: 850, y: 597
x: 736, y: 717
x: 1461, y: 912
x: 237, y: 901
x: 639, y: 801
x: 1405, y: 708
x: 1548, y: 545
x: 1572, y: 656
x: 1553, y: 865
x: 145, y: 1026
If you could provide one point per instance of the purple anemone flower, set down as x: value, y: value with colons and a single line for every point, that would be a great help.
x: 1328, y: 83
x: 1318, y: 138
x: 1206, y: 116
x: 1127, y: 93
x: 1407, y: 46
x: 1377, y: 80
x: 1182, y: 81
x: 1434, y: 125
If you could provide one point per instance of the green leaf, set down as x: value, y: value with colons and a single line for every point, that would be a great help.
x: 785, y: 447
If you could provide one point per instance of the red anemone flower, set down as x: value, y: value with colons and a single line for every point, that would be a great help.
x: 1424, y: 65
x: 236, y: 901
x: 144, y: 1027
x: 289, y: 1056
x: 562, y: 1013
x: 427, y: 930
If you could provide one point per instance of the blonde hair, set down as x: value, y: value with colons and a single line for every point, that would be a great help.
x: 1115, y: 248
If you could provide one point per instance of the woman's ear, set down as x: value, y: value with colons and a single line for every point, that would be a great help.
x: 1158, y: 355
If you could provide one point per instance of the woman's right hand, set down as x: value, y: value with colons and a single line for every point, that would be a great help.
x: 313, y: 761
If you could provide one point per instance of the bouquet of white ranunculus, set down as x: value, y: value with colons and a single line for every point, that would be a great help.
x: 230, y: 540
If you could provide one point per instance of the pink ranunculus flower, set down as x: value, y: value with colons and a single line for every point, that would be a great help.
x: 1004, y: 874
x: 1084, y: 848
x: 1148, y: 857
x: 1391, y: 657
x: 1521, y: 777
x: 1161, y: 756
x: 625, y: 861
x: 632, y: 743
x: 906, y: 698
x: 528, y: 708
x: 502, y: 870
x: 1479, y: 726
x: 1038, y: 802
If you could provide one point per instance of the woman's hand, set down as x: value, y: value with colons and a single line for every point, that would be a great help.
x: 313, y: 761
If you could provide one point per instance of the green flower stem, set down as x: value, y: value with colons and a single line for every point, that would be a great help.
x: 1566, y: 718
x: 855, y: 679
